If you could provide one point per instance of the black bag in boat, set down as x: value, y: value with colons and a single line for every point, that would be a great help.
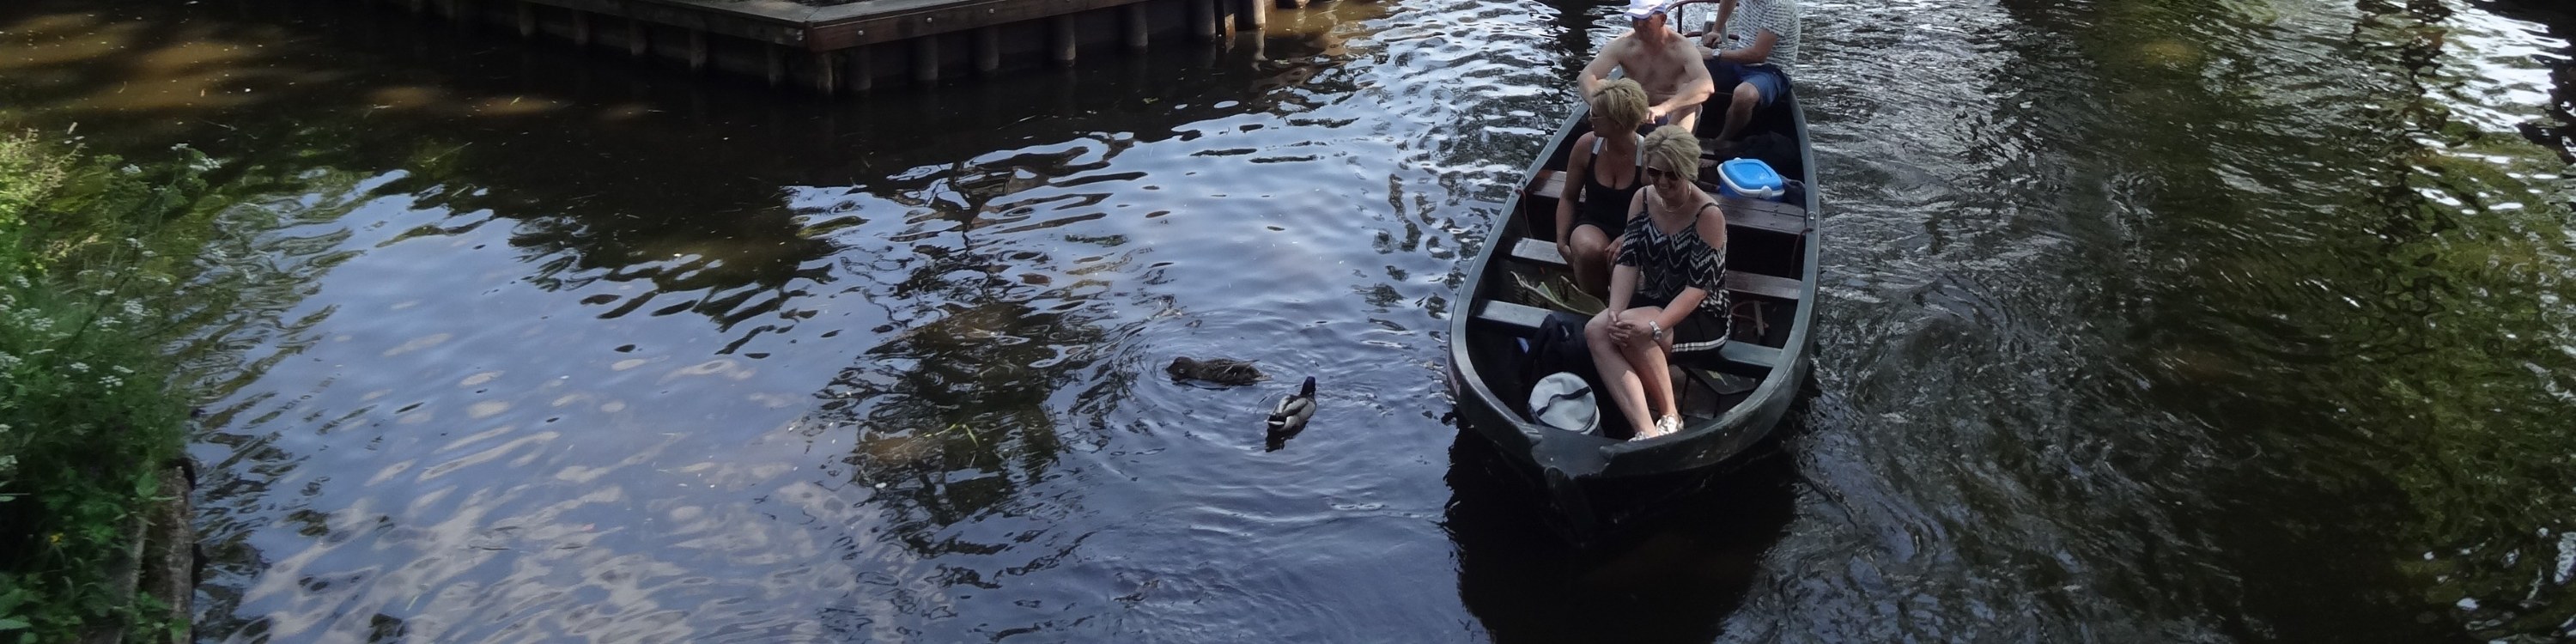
x: 1559, y: 347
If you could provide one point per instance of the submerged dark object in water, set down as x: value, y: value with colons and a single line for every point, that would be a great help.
x: 1220, y: 371
x: 1291, y: 415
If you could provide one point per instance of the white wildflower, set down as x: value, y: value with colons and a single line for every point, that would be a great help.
x: 130, y: 170
x: 119, y: 369
x: 175, y: 147
x: 19, y: 281
x: 102, y: 292
x: 78, y: 367
x: 110, y: 382
x: 8, y: 362
x: 204, y: 164
x: 133, y: 308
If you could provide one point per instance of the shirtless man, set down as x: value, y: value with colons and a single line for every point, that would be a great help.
x: 1660, y: 59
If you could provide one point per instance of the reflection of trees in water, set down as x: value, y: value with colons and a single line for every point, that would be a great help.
x: 952, y: 411
x: 2365, y: 326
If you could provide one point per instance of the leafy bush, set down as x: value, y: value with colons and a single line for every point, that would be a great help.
x: 87, y: 413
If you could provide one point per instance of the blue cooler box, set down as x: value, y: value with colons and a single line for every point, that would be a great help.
x: 1750, y: 179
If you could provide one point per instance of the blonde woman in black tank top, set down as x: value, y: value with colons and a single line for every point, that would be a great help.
x: 1602, y: 175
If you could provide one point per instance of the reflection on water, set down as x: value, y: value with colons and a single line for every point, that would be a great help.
x: 2145, y: 320
x: 1671, y: 580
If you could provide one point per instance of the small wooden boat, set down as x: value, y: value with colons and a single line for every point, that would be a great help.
x: 1729, y: 401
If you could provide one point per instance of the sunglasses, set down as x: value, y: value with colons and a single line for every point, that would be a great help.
x: 1657, y: 175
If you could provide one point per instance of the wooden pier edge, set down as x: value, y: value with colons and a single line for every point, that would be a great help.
x: 835, y: 50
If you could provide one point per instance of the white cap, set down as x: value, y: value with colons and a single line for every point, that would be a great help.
x: 1643, y: 9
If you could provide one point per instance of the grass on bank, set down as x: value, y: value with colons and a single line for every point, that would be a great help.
x: 88, y: 413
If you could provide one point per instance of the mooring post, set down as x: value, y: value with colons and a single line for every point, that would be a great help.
x: 1134, y: 13
x: 527, y: 20
x: 638, y: 40
x: 1203, y: 19
x: 826, y: 80
x: 774, y: 63
x: 988, y: 50
x: 697, y: 50
x: 1067, y: 40
x: 925, y: 59
x: 1253, y: 15
x: 862, y: 70
x: 581, y: 29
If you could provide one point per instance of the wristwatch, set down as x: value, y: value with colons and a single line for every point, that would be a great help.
x: 1655, y: 330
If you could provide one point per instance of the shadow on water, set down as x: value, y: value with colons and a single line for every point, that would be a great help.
x: 1670, y: 577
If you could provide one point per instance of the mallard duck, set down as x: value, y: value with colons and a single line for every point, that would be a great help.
x: 1220, y: 371
x: 1291, y: 415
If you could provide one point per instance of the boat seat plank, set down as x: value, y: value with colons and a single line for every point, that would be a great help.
x: 1524, y: 320
x: 1782, y: 288
x: 1772, y: 216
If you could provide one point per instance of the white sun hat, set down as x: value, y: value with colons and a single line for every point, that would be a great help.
x: 1644, y: 9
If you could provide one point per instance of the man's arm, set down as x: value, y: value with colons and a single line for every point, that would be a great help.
x: 1755, y: 54
x: 1696, y: 87
x: 1716, y: 34
x: 1599, y: 71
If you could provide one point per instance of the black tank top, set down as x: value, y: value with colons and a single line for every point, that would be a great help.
x: 1603, y: 205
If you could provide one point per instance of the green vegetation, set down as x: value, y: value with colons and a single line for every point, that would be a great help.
x: 90, y: 256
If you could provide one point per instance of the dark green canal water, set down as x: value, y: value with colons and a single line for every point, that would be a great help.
x: 2143, y: 320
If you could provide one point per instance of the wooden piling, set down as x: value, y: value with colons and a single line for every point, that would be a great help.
x: 1067, y: 40
x: 774, y: 64
x: 826, y: 79
x: 697, y: 51
x: 925, y: 59
x: 638, y: 38
x: 527, y: 20
x: 862, y: 70
x: 988, y: 50
x: 1203, y: 19
x: 1137, y: 34
x: 581, y: 30
x: 1253, y: 15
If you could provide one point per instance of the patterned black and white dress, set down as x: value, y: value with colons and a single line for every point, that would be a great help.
x: 1667, y: 263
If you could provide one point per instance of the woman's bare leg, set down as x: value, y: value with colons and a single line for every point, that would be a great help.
x: 1654, y: 371
x: 1591, y: 259
x: 1624, y: 388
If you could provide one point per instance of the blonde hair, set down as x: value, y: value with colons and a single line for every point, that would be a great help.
x: 1621, y: 101
x: 1675, y: 147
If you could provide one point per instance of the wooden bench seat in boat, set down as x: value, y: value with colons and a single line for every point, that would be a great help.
x: 1741, y: 357
x: 1738, y: 282
x: 1754, y: 214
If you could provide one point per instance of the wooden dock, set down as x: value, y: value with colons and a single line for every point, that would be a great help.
x: 857, y: 46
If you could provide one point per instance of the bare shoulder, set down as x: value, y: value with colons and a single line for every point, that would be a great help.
x: 1712, y: 223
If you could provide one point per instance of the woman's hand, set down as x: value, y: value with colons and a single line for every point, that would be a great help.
x: 1624, y: 332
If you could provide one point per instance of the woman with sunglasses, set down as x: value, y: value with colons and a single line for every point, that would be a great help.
x: 1668, y: 290
x: 1602, y: 178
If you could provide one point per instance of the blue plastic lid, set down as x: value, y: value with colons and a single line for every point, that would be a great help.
x: 1751, y: 177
